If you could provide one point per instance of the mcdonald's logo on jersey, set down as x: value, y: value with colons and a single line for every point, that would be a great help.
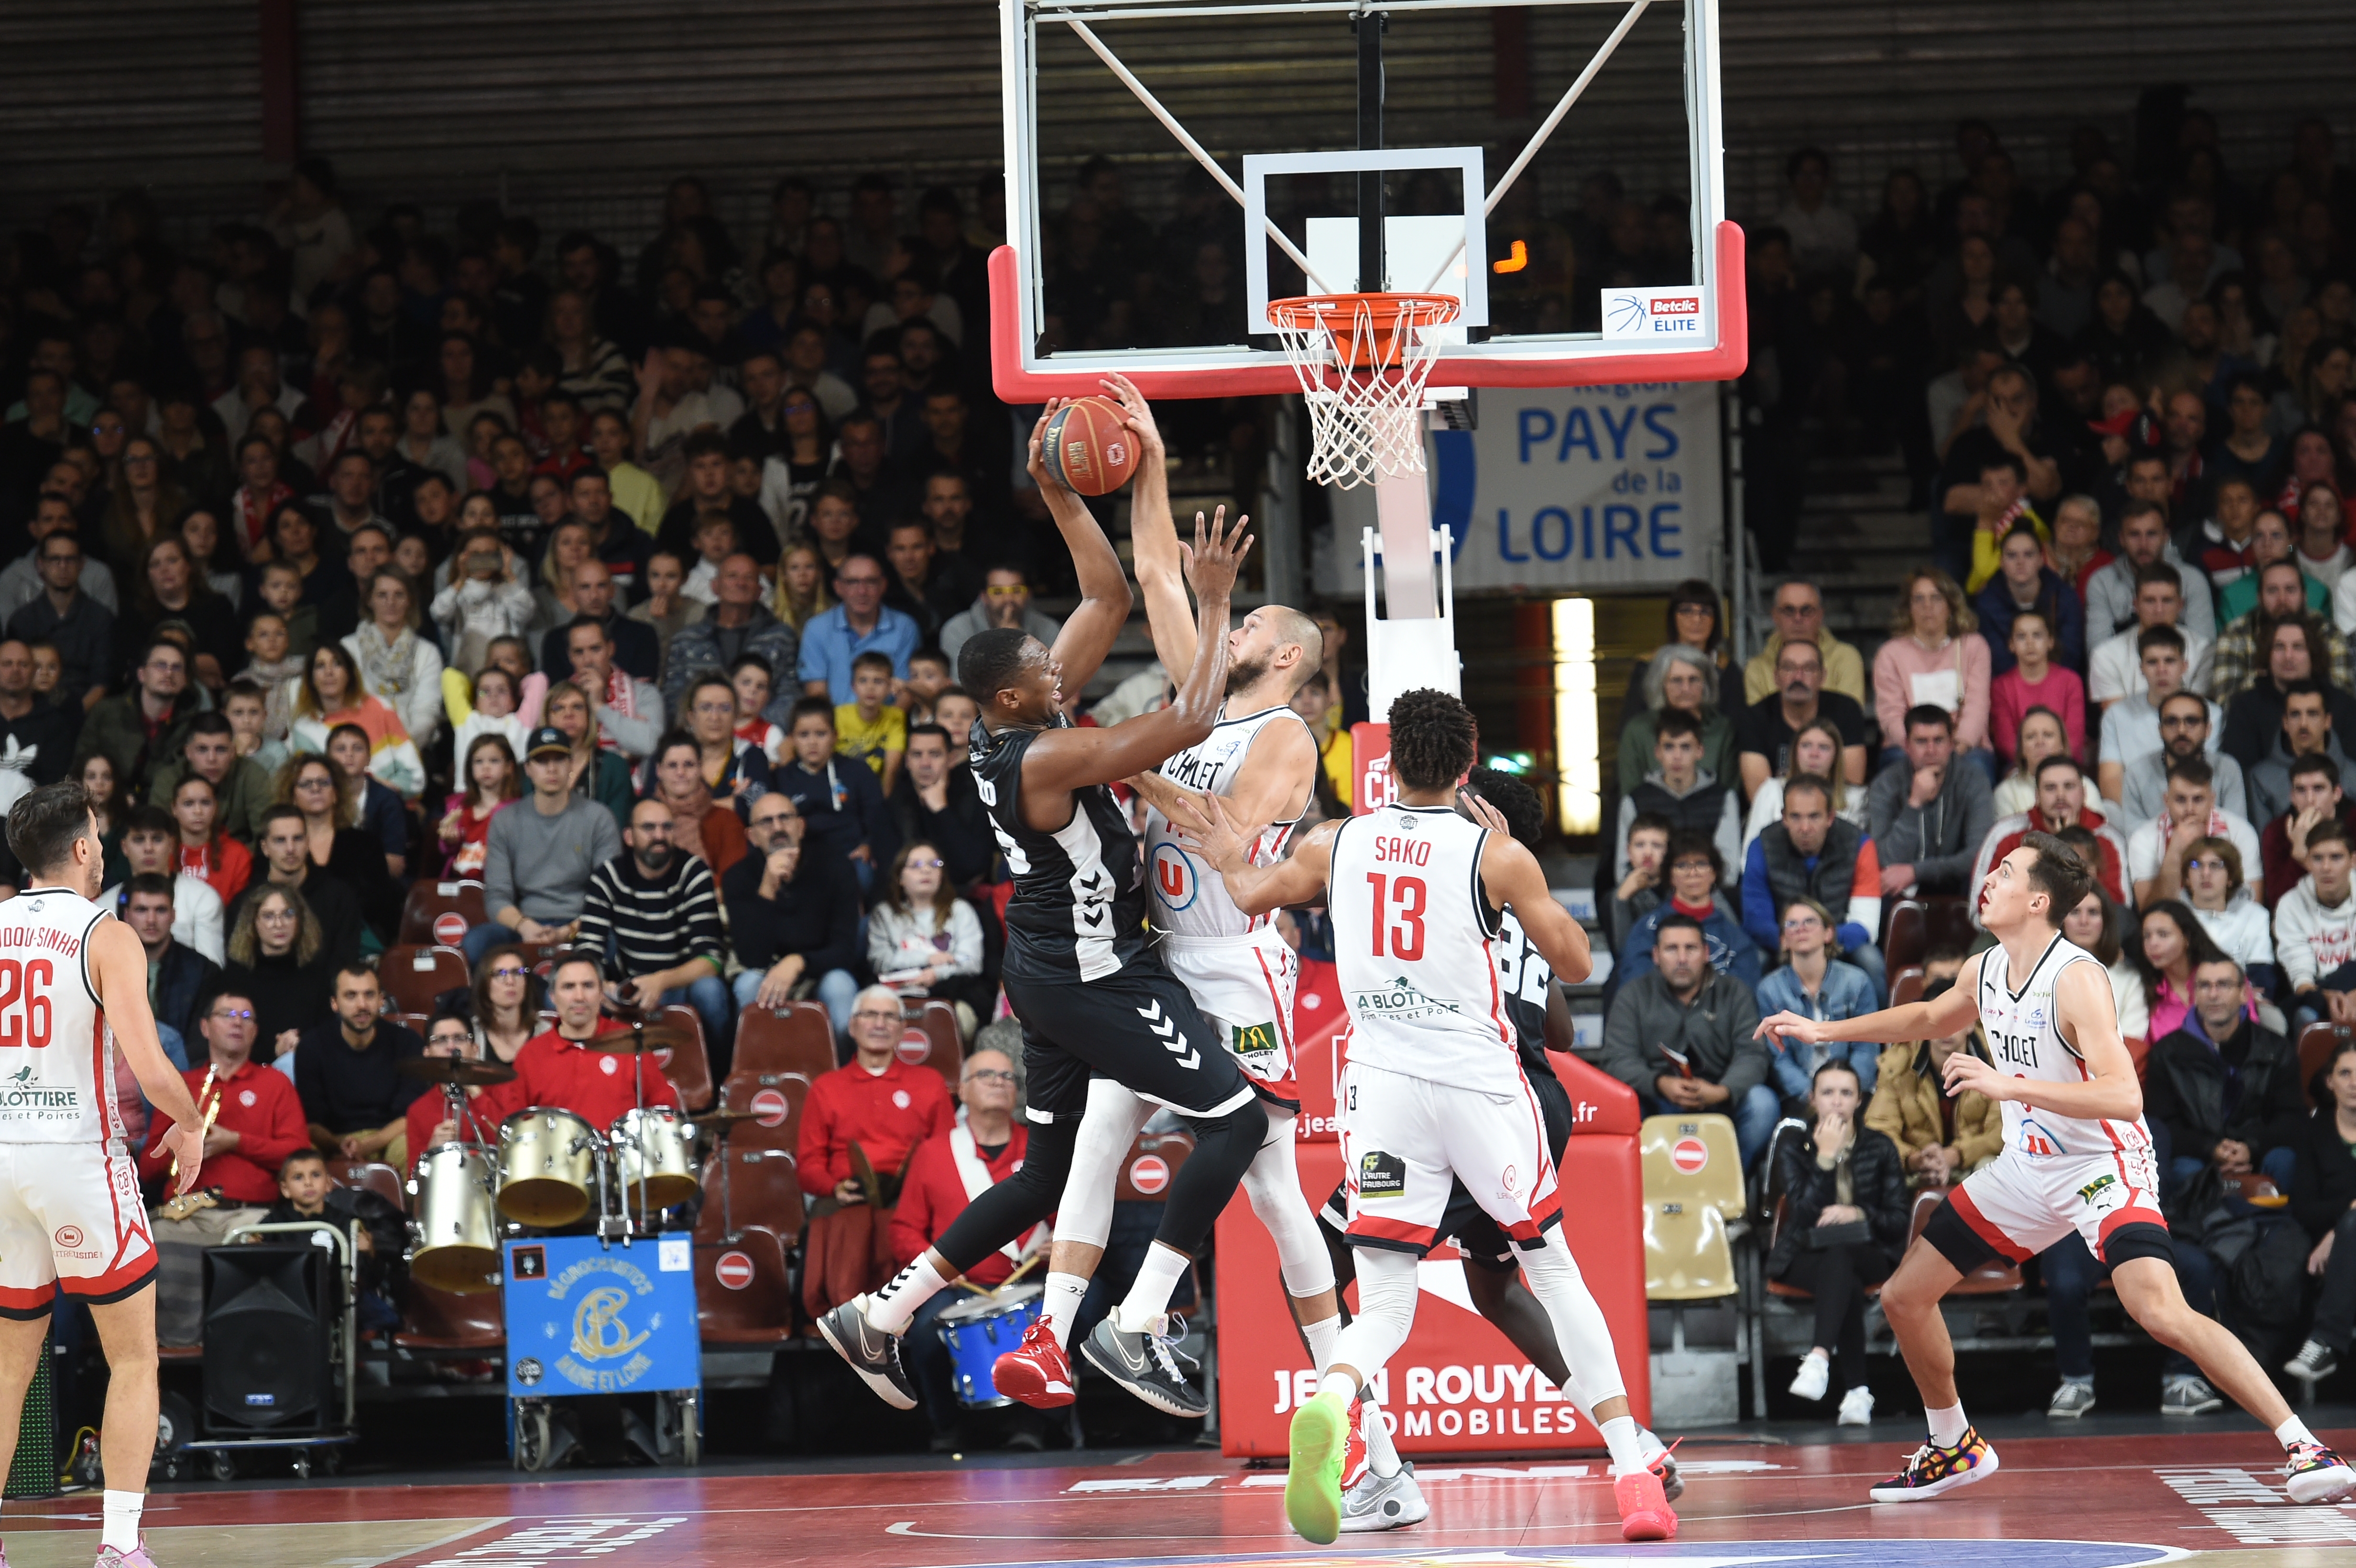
x: 1251, y: 1039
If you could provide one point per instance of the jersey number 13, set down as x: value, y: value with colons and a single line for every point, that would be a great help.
x: 1405, y: 937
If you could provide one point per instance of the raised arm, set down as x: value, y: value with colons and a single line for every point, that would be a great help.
x: 1154, y: 535
x: 1943, y: 1015
x: 1089, y: 632
x: 1297, y: 880
x: 119, y: 963
x: 1514, y: 882
x: 1072, y: 759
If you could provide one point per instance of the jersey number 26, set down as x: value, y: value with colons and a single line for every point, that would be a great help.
x: 1406, y: 936
x: 29, y: 984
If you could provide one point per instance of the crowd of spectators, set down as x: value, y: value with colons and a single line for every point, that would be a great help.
x: 2126, y: 407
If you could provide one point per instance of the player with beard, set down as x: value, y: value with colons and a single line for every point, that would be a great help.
x: 1261, y: 760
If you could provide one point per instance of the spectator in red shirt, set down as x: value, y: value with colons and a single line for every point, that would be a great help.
x: 254, y: 1122
x: 554, y: 1069
x: 948, y: 1170
x: 430, y: 1120
x: 206, y: 851
x: 878, y: 1102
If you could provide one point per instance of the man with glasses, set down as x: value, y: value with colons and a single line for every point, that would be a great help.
x: 1004, y: 600
x: 860, y: 624
x: 1764, y: 732
x: 883, y: 1107
x: 142, y: 729
x: 2188, y: 726
x: 653, y: 913
x: 433, y: 1120
x: 1799, y: 613
x: 21, y: 581
x: 944, y: 1174
x: 795, y: 919
x: 79, y: 627
x: 252, y: 1121
x: 738, y: 624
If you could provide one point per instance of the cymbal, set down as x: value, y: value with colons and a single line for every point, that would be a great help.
x: 456, y: 1070
x: 642, y: 1039
x: 723, y: 1118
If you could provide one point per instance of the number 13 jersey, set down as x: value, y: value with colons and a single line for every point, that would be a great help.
x: 2024, y: 1037
x: 1412, y: 935
x: 57, y: 1055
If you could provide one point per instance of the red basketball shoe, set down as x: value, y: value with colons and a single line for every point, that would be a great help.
x: 1038, y: 1371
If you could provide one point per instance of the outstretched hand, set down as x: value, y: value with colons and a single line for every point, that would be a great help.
x: 1215, y: 556
x: 1138, y: 414
x: 1788, y: 1025
x: 1037, y: 466
x: 1215, y: 836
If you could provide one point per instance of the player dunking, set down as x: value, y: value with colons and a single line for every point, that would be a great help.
x: 2077, y: 1156
x: 1262, y: 760
x: 1093, y: 999
x: 1434, y: 1090
x: 73, y: 988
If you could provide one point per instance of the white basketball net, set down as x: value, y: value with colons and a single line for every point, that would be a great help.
x: 1362, y: 361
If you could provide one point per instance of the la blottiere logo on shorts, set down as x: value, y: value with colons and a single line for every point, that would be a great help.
x: 1381, y: 1175
x: 1399, y: 1000
x: 23, y: 1098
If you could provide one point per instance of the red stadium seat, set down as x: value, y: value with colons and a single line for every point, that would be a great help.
x: 2317, y: 1041
x: 743, y: 1293
x: 437, y: 1320
x: 1906, y: 986
x: 421, y: 916
x: 690, y: 1068
x: 370, y: 1176
x: 1907, y: 935
x: 797, y: 1038
x: 747, y: 1184
x: 935, y: 1022
x: 412, y: 976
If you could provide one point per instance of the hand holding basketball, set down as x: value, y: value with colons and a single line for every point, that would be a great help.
x: 1214, y: 559
x: 1138, y: 414
x: 1087, y: 445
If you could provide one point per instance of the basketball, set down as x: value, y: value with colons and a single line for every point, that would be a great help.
x: 1088, y: 448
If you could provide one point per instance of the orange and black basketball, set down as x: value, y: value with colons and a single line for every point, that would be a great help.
x: 1088, y: 448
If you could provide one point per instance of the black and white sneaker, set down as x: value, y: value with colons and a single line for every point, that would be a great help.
x: 2314, y: 1363
x: 1146, y: 1365
x: 872, y: 1354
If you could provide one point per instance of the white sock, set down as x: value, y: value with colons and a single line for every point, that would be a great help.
x: 1063, y: 1304
x: 1948, y: 1425
x: 2289, y: 1432
x: 1381, y: 1458
x: 1149, y: 1298
x: 890, y: 1308
x: 1323, y: 1336
x: 1620, y: 1435
x: 1341, y: 1385
x: 121, y: 1529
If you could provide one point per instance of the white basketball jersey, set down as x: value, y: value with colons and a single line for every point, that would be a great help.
x: 2024, y: 1037
x: 57, y: 1055
x: 1190, y: 898
x: 1412, y: 932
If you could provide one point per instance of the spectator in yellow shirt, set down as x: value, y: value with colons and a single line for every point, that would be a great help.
x: 1314, y: 702
x: 868, y: 726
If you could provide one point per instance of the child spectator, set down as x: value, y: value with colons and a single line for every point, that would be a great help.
x: 751, y: 679
x: 954, y: 711
x: 246, y: 705
x: 665, y: 607
x: 1730, y: 949
x: 925, y: 941
x: 495, y: 707
x: 2315, y: 932
x: 281, y: 590
x: 2035, y: 684
x: 715, y: 541
x: 487, y: 599
x: 868, y: 727
x: 1640, y: 891
x: 491, y: 780
x: 271, y: 664
x: 929, y: 677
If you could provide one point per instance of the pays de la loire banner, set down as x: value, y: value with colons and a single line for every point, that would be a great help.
x: 1572, y: 488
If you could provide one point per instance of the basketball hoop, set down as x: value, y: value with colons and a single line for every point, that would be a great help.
x: 1362, y: 361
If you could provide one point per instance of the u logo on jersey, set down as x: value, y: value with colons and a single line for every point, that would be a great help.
x: 1174, y: 881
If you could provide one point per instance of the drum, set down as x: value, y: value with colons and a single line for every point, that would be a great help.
x: 980, y: 1330
x: 548, y: 1166
x: 659, y: 1143
x: 454, y: 1228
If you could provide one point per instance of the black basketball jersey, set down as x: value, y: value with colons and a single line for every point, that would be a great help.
x: 1079, y: 910
x: 1524, y: 977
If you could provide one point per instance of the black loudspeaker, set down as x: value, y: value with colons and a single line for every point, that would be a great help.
x: 267, y: 1366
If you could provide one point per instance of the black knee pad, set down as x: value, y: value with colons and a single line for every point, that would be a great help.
x: 1225, y: 1146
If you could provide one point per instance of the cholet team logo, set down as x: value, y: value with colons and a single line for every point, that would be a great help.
x: 1879, y: 1553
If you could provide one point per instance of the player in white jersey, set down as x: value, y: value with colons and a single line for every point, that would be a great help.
x: 2077, y: 1156
x: 1434, y: 1092
x: 73, y: 990
x: 1262, y: 761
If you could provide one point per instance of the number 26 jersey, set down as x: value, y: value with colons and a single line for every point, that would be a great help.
x: 1412, y: 948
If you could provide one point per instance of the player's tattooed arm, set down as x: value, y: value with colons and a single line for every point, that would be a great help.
x: 1943, y: 1015
x: 1153, y: 535
x: 1299, y: 878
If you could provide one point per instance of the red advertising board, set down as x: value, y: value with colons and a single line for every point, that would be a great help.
x: 1370, y: 755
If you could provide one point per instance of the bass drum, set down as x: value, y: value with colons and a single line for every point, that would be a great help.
x: 454, y: 1228
x: 548, y: 1168
x: 659, y: 1143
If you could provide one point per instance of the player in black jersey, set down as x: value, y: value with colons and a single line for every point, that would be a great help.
x: 1381, y: 1500
x: 1092, y: 997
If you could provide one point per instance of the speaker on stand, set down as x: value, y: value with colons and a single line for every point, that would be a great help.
x: 268, y: 1367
